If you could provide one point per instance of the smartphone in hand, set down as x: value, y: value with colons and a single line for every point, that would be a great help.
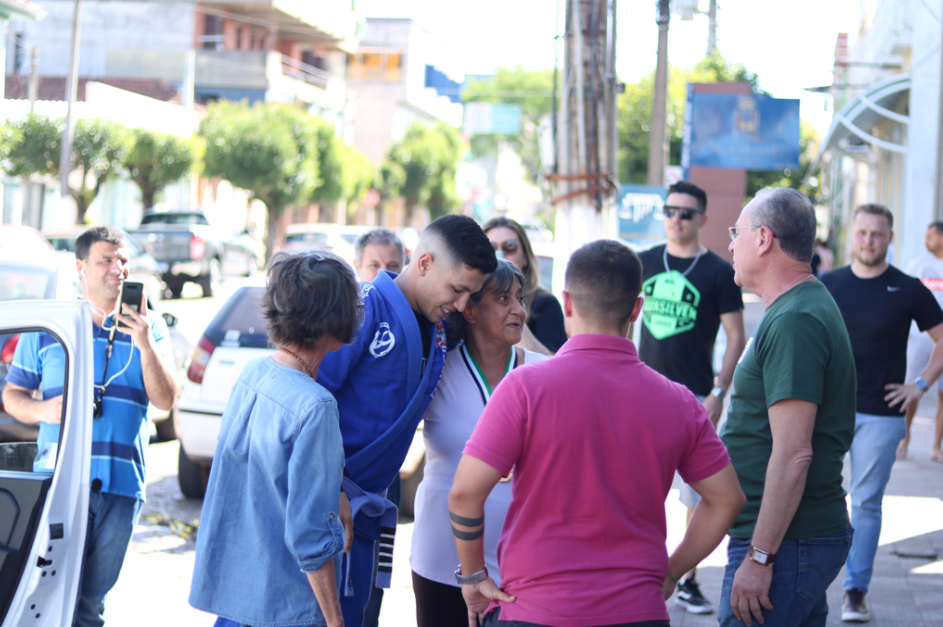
x: 132, y: 292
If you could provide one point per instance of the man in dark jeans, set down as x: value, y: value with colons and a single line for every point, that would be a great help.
x: 791, y: 420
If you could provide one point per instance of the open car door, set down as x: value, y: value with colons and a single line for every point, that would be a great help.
x: 44, y: 489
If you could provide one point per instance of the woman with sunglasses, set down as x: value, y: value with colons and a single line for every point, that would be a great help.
x: 544, y: 314
x: 491, y: 325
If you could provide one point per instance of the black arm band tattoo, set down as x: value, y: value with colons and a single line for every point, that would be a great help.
x: 466, y: 522
x: 468, y: 535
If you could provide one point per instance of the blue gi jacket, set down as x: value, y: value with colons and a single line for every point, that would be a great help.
x: 381, y: 387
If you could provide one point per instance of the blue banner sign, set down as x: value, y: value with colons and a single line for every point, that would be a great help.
x: 640, y: 221
x: 743, y: 132
x: 499, y: 119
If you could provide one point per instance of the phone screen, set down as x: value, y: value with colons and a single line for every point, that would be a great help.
x: 131, y: 294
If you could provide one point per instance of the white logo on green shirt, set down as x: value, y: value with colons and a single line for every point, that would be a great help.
x: 671, y: 303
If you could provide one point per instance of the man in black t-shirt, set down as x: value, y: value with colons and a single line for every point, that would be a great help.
x: 878, y: 302
x: 689, y: 292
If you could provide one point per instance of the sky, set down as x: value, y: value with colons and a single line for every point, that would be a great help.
x: 789, y: 45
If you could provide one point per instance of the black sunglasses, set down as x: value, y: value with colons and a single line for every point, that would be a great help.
x: 684, y: 213
x: 507, y: 246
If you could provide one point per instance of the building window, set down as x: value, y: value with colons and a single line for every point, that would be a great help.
x: 19, y: 53
x: 312, y: 58
x: 375, y: 66
x: 213, y: 38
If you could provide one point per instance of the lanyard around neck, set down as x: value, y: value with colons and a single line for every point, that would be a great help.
x: 478, y: 374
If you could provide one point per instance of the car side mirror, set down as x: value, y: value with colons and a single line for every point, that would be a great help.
x: 169, y: 319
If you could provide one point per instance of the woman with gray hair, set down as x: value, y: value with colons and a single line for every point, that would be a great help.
x: 270, y: 539
x: 491, y: 326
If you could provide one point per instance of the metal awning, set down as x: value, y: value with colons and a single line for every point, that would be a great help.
x: 852, y: 124
x: 850, y: 132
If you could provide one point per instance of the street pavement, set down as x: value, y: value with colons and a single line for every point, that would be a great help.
x: 907, y: 589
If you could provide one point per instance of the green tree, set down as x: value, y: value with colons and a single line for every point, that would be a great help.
x: 532, y: 91
x: 269, y: 150
x: 332, y: 164
x: 159, y: 159
x: 30, y: 145
x: 421, y: 168
x: 361, y: 177
x: 442, y: 198
x: 99, y: 150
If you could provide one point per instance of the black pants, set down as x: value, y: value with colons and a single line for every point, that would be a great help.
x: 492, y: 620
x: 438, y: 604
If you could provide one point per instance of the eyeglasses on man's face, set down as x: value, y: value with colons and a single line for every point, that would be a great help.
x: 733, y: 231
x: 683, y: 213
x: 507, y: 246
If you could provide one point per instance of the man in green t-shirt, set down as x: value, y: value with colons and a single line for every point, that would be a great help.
x: 790, y: 421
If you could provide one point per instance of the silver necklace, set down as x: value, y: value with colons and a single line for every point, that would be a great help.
x: 691, y: 267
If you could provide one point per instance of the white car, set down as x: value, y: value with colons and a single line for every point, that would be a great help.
x: 332, y: 237
x: 44, y: 493
x: 235, y: 337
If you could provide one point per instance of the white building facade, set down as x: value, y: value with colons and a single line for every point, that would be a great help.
x: 884, y: 143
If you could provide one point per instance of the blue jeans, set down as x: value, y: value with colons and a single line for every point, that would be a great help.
x: 801, y: 575
x: 873, y: 452
x: 111, y: 521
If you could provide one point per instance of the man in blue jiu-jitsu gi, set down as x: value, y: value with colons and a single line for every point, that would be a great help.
x: 385, y: 379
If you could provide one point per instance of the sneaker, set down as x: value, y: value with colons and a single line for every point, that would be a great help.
x: 691, y: 599
x: 854, y: 609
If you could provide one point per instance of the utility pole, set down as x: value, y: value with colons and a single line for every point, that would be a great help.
x: 938, y: 195
x: 584, y: 187
x: 72, y: 87
x: 656, y: 143
x: 712, y: 28
x: 33, y: 85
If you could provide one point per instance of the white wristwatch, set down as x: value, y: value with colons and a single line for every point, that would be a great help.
x: 719, y: 393
x: 465, y: 580
x: 764, y: 558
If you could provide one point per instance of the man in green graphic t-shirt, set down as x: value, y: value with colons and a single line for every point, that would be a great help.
x: 790, y: 421
x: 689, y: 292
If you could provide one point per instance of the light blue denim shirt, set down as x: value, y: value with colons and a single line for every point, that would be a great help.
x: 270, y: 513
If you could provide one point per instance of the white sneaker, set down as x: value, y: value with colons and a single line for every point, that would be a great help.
x: 854, y: 609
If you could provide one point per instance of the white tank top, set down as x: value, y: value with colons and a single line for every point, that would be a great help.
x: 448, y: 423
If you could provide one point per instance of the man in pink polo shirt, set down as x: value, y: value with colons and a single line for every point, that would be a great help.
x: 594, y: 437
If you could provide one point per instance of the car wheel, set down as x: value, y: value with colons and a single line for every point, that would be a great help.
x: 165, y: 428
x: 252, y: 267
x: 174, y: 288
x: 211, y: 280
x: 191, y: 476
